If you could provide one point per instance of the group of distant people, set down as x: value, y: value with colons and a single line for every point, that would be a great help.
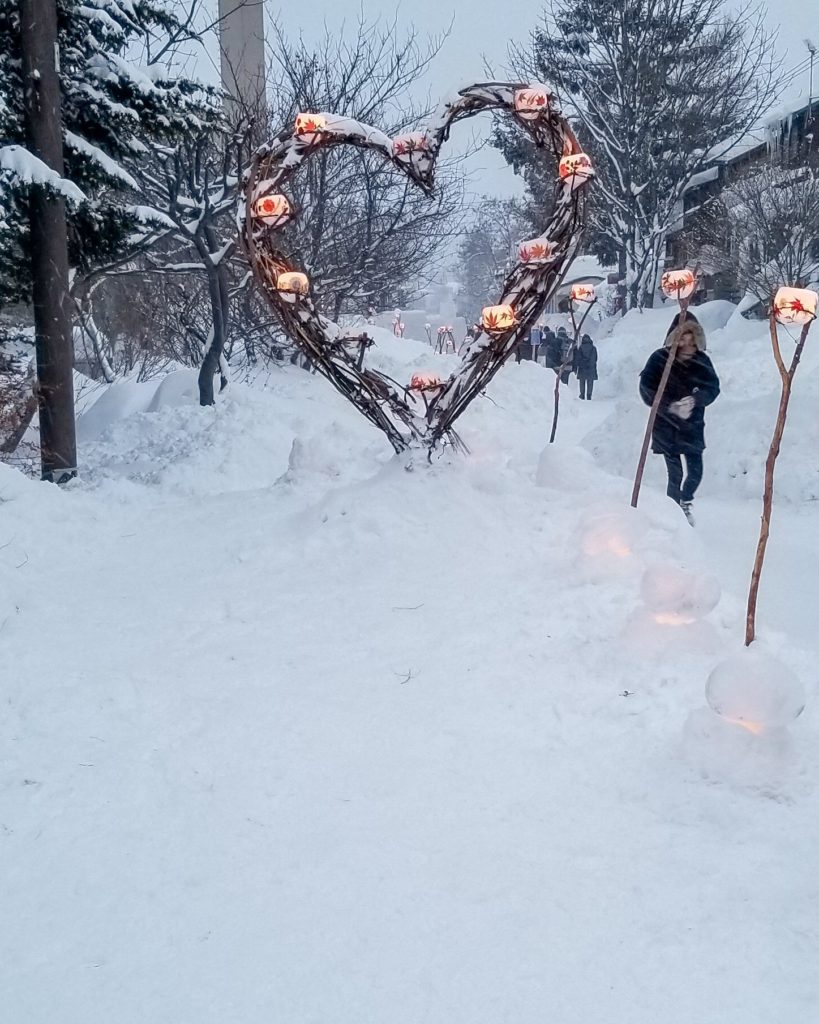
x: 556, y: 347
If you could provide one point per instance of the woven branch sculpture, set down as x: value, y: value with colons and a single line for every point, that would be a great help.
x: 407, y: 417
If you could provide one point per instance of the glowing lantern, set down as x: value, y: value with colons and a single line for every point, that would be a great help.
x: 293, y: 283
x: 678, y: 597
x: 536, y: 251
x: 310, y: 124
x: 498, y: 319
x: 273, y: 209
x: 411, y: 142
x: 795, y: 305
x: 575, y: 169
x: 582, y: 293
x: 678, y: 284
x: 425, y: 382
x: 755, y: 691
x: 532, y: 101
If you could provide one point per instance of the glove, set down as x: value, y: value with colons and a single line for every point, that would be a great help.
x: 683, y: 409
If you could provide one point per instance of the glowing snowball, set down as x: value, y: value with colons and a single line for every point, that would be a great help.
x: 678, y: 597
x: 756, y: 691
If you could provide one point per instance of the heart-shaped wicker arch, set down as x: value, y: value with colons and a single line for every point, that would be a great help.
x: 394, y: 408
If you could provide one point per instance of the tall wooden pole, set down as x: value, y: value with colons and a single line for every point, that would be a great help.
x: 786, y: 376
x: 655, y: 405
x: 49, y: 246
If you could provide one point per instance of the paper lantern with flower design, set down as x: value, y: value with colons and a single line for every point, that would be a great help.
x: 498, y: 319
x: 536, y: 251
x: 575, y: 169
x: 425, y: 382
x: 531, y: 102
x: 410, y: 142
x: 678, y: 284
x: 272, y: 209
x: 293, y: 282
x: 795, y: 306
x: 582, y: 292
x: 310, y: 124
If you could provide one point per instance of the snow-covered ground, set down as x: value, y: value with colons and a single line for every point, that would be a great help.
x: 293, y: 734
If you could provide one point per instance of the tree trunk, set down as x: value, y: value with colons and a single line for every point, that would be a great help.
x: 49, y: 246
x: 212, y: 363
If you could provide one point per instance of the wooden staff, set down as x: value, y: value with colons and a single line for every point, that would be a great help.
x: 786, y: 375
x: 577, y: 328
x: 655, y: 405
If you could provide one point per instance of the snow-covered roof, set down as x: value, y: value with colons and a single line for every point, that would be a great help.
x: 585, y: 267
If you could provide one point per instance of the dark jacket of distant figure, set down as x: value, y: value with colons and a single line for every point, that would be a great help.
x: 697, y: 377
x: 551, y: 348
x: 585, y: 360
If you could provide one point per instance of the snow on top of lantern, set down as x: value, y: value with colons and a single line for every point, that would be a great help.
x: 308, y: 123
x: 678, y: 284
x: 536, y: 250
x: 795, y: 305
x: 754, y: 690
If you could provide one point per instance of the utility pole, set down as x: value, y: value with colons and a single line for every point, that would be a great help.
x: 49, y: 244
x: 812, y: 51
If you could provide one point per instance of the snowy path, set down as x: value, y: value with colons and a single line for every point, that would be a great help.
x: 354, y: 748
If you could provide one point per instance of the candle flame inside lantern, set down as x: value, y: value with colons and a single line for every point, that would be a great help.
x: 582, y: 293
x: 293, y: 283
x: 310, y: 124
x: 575, y: 168
x: 498, y: 319
x: 678, y: 284
x: 536, y: 251
x: 531, y: 102
x: 795, y: 305
x: 273, y: 209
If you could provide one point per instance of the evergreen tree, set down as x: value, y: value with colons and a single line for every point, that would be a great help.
x: 120, y: 96
x: 659, y: 89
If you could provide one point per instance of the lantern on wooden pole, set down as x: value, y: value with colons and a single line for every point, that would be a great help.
x: 581, y: 295
x: 791, y: 306
x: 679, y: 285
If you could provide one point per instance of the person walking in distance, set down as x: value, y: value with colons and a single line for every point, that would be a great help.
x: 679, y: 429
x: 585, y: 366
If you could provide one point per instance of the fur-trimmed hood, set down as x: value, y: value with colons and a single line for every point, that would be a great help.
x: 685, y: 326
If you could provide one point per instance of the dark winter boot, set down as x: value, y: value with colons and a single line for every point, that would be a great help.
x: 688, y: 511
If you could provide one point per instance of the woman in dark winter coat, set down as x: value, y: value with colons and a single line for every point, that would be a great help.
x: 679, y: 430
x: 585, y: 366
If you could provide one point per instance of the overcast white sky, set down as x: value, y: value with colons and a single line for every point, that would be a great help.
x: 484, y: 28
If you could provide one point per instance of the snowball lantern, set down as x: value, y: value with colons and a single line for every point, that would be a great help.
x: 274, y: 210
x: 795, y: 305
x: 536, y: 251
x: 498, y: 319
x: 755, y: 691
x: 293, y: 283
x: 678, y: 597
x: 410, y: 142
x: 582, y: 293
x: 678, y: 284
x: 575, y: 169
x: 310, y: 124
x: 530, y: 103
